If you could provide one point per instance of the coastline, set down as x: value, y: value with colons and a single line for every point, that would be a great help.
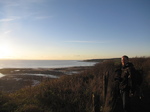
x: 43, y: 63
x: 14, y: 79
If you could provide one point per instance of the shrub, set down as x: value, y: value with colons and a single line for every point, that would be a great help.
x: 29, y: 108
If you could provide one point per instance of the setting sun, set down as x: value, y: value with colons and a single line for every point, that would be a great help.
x: 5, y: 51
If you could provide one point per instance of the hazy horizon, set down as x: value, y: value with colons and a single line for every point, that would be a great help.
x: 43, y: 63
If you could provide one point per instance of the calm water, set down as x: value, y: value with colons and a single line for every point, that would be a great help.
x: 42, y: 63
x: 1, y: 75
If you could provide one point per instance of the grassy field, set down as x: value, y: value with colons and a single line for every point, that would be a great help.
x: 74, y: 93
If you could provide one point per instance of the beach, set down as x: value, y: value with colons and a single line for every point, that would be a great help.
x: 13, y: 79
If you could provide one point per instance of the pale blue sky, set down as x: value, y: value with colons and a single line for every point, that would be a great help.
x: 74, y: 29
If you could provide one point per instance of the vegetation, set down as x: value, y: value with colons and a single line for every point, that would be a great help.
x: 69, y: 93
x: 101, y: 60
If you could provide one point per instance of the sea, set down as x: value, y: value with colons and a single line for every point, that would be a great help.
x: 43, y: 63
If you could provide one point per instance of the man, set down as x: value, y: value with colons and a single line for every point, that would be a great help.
x: 127, y: 82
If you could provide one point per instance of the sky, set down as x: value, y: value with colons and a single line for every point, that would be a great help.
x: 74, y: 29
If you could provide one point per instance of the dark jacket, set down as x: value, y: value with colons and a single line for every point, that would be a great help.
x: 127, y: 78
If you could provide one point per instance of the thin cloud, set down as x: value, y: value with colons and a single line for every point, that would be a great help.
x: 35, y: 1
x: 43, y: 17
x: 25, y: 5
x: 20, y: 1
x: 6, y: 20
x: 12, y: 18
x: 9, y: 3
x: 86, y: 42
x: 9, y: 31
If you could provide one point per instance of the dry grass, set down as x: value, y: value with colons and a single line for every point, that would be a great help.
x: 70, y: 93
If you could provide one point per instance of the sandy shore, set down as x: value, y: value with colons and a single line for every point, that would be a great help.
x: 12, y: 79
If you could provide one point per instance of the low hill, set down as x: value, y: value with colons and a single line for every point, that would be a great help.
x: 101, y: 60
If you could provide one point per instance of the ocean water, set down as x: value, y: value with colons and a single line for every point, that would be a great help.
x: 1, y: 75
x: 43, y: 63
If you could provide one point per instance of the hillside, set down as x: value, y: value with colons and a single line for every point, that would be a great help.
x: 77, y: 93
x: 102, y: 60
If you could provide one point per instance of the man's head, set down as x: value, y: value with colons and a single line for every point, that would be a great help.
x: 124, y: 60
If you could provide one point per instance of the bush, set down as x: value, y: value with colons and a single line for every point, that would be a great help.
x: 29, y: 108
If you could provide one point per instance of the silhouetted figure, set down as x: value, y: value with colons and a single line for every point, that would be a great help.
x: 127, y: 85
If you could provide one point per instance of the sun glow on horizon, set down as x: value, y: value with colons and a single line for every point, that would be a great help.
x: 5, y: 51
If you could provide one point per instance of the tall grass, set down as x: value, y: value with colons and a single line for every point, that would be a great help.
x: 70, y: 93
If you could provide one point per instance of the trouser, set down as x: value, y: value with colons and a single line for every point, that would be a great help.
x: 126, y: 101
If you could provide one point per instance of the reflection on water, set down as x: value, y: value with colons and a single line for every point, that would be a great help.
x: 1, y: 75
x: 44, y: 75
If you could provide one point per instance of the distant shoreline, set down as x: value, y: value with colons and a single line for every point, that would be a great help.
x: 100, y: 60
